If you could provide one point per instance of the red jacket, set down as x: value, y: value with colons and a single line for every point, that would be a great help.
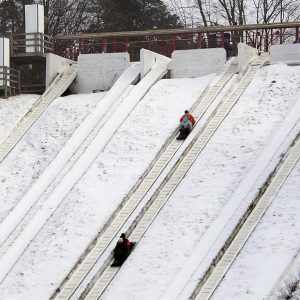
x: 126, y: 242
x: 190, y: 117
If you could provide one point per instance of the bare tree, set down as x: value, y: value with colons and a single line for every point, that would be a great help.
x: 268, y: 11
x: 65, y: 17
x: 186, y: 11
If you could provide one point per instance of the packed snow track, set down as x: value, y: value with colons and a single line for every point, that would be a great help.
x: 159, y: 165
x: 178, y: 172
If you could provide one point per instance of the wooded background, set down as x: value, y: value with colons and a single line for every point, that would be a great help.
x: 79, y: 16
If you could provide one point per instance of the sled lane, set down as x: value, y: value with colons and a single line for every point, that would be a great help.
x: 162, y: 160
x: 56, y: 89
x: 208, y: 285
x: 77, y: 171
x: 171, y: 181
x: 218, y: 235
x: 63, y: 162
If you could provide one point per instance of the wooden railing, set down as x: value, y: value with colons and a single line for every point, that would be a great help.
x: 10, y: 81
x: 35, y: 43
x: 33, y: 88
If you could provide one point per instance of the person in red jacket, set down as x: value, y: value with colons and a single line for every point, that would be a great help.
x: 187, y: 122
x: 121, y: 251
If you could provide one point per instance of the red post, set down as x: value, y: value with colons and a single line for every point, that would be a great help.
x: 199, y: 40
x: 174, y: 42
x: 54, y: 46
x: 104, y: 45
x: 271, y: 42
x: 126, y: 44
x: 222, y: 39
x: 114, y: 45
x: 80, y: 46
x: 149, y: 41
x: 267, y: 41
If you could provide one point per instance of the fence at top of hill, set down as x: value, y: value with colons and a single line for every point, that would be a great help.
x: 260, y: 36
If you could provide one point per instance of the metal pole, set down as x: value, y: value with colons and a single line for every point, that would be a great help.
x: 271, y: 42
x: 114, y: 45
x: 126, y: 44
x: 199, y: 40
x: 267, y: 41
x: 222, y: 39
x: 104, y: 45
x: 174, y: 42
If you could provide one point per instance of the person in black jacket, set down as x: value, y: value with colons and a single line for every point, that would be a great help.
x: 121, y: 251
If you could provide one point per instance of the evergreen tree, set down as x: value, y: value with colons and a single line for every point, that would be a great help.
x: 12, y: 14
x: 119, y: 15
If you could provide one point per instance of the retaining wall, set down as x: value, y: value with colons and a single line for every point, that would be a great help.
x: 54, y: 65
x: 245, y: 54
x: 148, y: 59
x: 98, y: 72
x: 287, y: 53
x: 197, y: 62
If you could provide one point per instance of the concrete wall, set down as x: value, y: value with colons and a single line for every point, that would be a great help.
x: 54, y: 65
x: 34, y: 22
x: 245, y: 54
x: 197, y: 62
x: 4, y: 56
x: 148, y: 59
x: 99, y: 71
x: 287, y: 53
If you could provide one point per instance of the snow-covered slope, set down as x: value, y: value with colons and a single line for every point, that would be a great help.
x: 197, y: 202
x: 39, y: 146
x: 91, y: 202
x: 176, y: 233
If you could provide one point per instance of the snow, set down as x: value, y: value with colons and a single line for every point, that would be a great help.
x: 98, y: 116
x: 74, y: 174
x: 38, y: 148
x: 173, y: 239
x: 10, y: 117
x: 248, y: 277
x: 207, y: 187
x: 123, y: 160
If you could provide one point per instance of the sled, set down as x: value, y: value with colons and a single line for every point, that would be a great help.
x: 119, y: 264
x: 183, y: 134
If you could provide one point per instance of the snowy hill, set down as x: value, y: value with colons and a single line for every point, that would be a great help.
x: 176, y: 235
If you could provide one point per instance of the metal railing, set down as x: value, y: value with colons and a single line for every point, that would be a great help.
x: 165, y: 41
x: 10, y: 81
x: 34, y: 43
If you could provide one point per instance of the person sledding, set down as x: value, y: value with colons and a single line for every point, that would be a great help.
x: 121, y: 251
x: 187, y: 123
